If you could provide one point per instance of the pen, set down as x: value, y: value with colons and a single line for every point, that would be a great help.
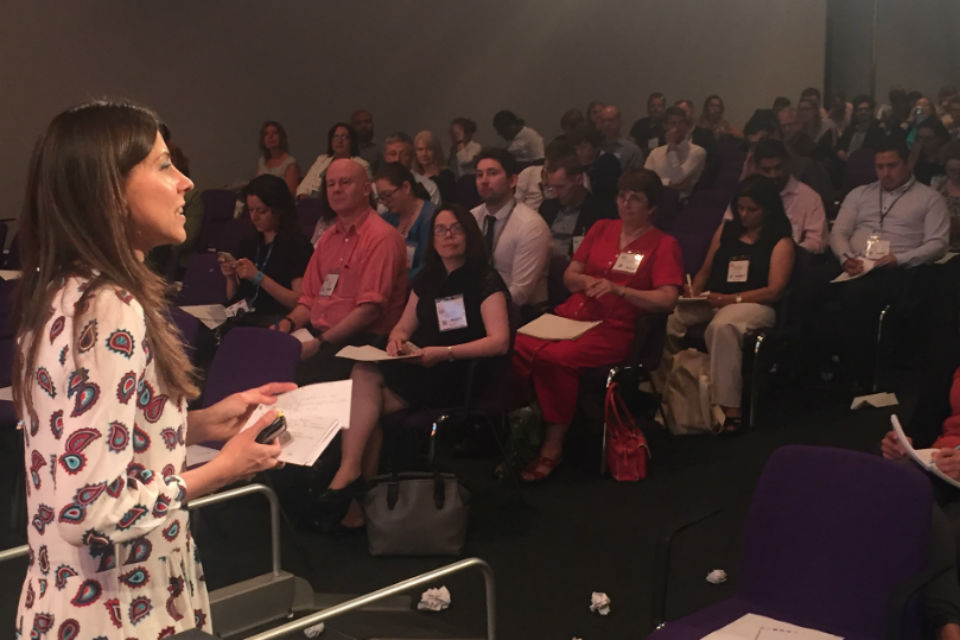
x: 689, y: 284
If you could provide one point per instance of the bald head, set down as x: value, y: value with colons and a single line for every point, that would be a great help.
x: 348, y: 189
x: 609, y: 122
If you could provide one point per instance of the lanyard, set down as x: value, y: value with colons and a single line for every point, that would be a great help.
x: 260, y: 267
x: 883, y: 214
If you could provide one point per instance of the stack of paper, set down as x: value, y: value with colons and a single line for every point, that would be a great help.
x: 923, y: 457
x: 551, y: 327
x: 754, y: 627
x: 314, y: 414
x: 214, y: 315
x: 372, y: 354
x: 867, y: 266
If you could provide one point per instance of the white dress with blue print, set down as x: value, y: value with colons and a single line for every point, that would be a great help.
x: 110, y: 549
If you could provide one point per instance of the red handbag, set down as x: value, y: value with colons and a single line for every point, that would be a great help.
x: 626, y: 446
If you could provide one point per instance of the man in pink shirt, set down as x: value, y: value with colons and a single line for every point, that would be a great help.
x: 803, y: 205
x: 355, y: 285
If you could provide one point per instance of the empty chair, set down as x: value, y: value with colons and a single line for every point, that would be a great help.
x: 249, y: 357
x: 203, y: 283
x: 831, y: 539
x: 309, y: 210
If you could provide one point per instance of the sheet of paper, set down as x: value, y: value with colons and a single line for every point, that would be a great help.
x: 944, y: 260
x: 551, y: 327
x: 754, y: 627
x: 6, y: 393
x: 691, y: 299
x: 10, y: 274
x: 876, y: 400
x: 199, y: 454
x: 844, y: 277
x: 314, y: 414
x: 303, y: 335
x: 367, y: 353
x: 211, y: 315
x: 923, y: 457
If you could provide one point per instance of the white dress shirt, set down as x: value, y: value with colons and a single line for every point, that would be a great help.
x: 521, y: 250
x: 678, y: 166
x: 526, y: 146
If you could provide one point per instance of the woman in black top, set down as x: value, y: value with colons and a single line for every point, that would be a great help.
x: 457, y: 311
x: 746, y: 271
x: 268, y: 272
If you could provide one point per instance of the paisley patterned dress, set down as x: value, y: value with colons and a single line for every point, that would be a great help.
x: 111, y: 555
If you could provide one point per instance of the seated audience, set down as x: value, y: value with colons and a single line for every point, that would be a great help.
x: 274, y: 158
x: 926, y: 156
x: 463, y: 148
x: 745, y: 273
x: 341, y: 143
x: 712, y: 119
x: 882, y: 230
x: 355, y: 284
x: 840, y: 113
x: 532, y: 187
x: 408, y: 209
x: 593, y: 112
x: 571, y: 210
x: 456, y: 312
x: 803, y: 206
x: 570, y: 120
x: 601, y: 169
x: 864, y: 132
x: 951, y: 120
x: 949, y: 188
x: 428, y: 154
x: 780, y: 102
x: 680, y: 162
x: 627, y: 153
x: 362, y: 122
x: 920, y: 110
x: 523, y: 143
x: 648, y: 132
x: 802, y: 164
x: 515, y: 235
x: 698, y: 135
x: 818, y: 129
x: 399, y: 148
x: 268, y: 272
x: 762, y: 125
x: 623, y: 268
x: 812, y: 95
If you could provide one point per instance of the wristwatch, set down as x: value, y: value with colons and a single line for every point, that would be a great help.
x: 450, y: 354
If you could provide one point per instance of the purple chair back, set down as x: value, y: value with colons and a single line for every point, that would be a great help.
x: 309, y: 210
x: 829, y: 536
x: 694, y: 248
x: 7, y: 289
x: 230, y: 235
x: 859, y: 170
x: 203, y: 283
x: 189, y: 329
x: 249, y: 357
x: 218, y: 204
x: 666, y: 214
x: 710, y: 199
x: 466, y: 191
x: 12, y: 260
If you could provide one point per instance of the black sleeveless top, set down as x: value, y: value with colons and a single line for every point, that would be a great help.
x: 732, y: 249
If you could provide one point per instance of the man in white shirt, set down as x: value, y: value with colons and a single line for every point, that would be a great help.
x: 626, y: 152
x: 517, y: 237
x: 399, y: 148
x: 679, y: 163
x: 523, y: 143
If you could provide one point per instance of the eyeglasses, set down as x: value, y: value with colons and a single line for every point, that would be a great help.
x: 386, y: 195
x: 456, y: 229
x: 341, y: 136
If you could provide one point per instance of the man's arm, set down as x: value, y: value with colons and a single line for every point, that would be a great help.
x: 685, y: 172
x: 814, y: 237
x: 530, y: 260
x: 357, y: 321
x: 936, y: 234
x: 843, y: 226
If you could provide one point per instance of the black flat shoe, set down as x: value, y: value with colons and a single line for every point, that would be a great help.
x: 731, y: 427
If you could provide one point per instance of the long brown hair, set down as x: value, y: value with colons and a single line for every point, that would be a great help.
x: 75, y: 222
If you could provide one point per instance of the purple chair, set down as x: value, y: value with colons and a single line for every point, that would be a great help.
x: 203, y: 283
x: 309, y: 210
x: 218, y: 207
x: 466, y: 191
x: 249, y: 357
x: 835, y: 540
x: 666, y: 213
x: 12, y: 260
x: 859, y: 170
x: 189, y: 329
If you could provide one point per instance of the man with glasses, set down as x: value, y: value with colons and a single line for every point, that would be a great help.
x: 517, y: 237
x: 355, y: 285
x: 399, y: 148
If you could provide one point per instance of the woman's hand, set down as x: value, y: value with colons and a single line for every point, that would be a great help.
x: 245, y: 269
x: 223, y: 420
x: 228, y: 267
x: 600, y: 287
x: 243, y: 456
x: 396, y: 344
x: 719, y: 300
x: 432, y: 356
x: 309, y: 349
x: 948, y: 461
x: 891, y: 448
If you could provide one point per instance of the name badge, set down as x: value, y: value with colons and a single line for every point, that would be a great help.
x: 411, y: 251
x: 628, y: 262
x: 236, y: 308
x: 577, y: 241
x: 451, y: 314
x: 737, y: 270
x: 329, y: 284
x: 653, y: 143
x: 877, y: 247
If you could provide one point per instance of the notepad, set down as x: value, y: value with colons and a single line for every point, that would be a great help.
x: 367, y: 353
x: 303, y: 335
x: 754, y: 627
x: 10, y: 274
x: 551, y: 327
x: 923, y: 457
x: 845, y: 277
x: 314, y: 414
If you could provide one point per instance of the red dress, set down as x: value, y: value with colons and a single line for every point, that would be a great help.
x: 554, y: 366
x: 951, y: 426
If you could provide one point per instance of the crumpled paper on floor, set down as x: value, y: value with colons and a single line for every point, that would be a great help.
x: 314, y: 631
x: 434, y: 599
x: 717, y: 576
x: 600, y: 602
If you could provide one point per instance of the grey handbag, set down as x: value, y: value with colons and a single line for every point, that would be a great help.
x: 416, y: 514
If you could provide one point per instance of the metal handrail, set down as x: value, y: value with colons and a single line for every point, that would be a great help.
x: 400, y: 587
x: 205, y: 501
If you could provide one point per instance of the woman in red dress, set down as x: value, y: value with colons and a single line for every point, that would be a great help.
x: 623, y: 268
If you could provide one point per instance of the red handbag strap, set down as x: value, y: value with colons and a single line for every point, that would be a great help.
x: 617, y: 408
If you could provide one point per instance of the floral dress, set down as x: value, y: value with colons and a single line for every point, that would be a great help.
x: 111, y: 554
